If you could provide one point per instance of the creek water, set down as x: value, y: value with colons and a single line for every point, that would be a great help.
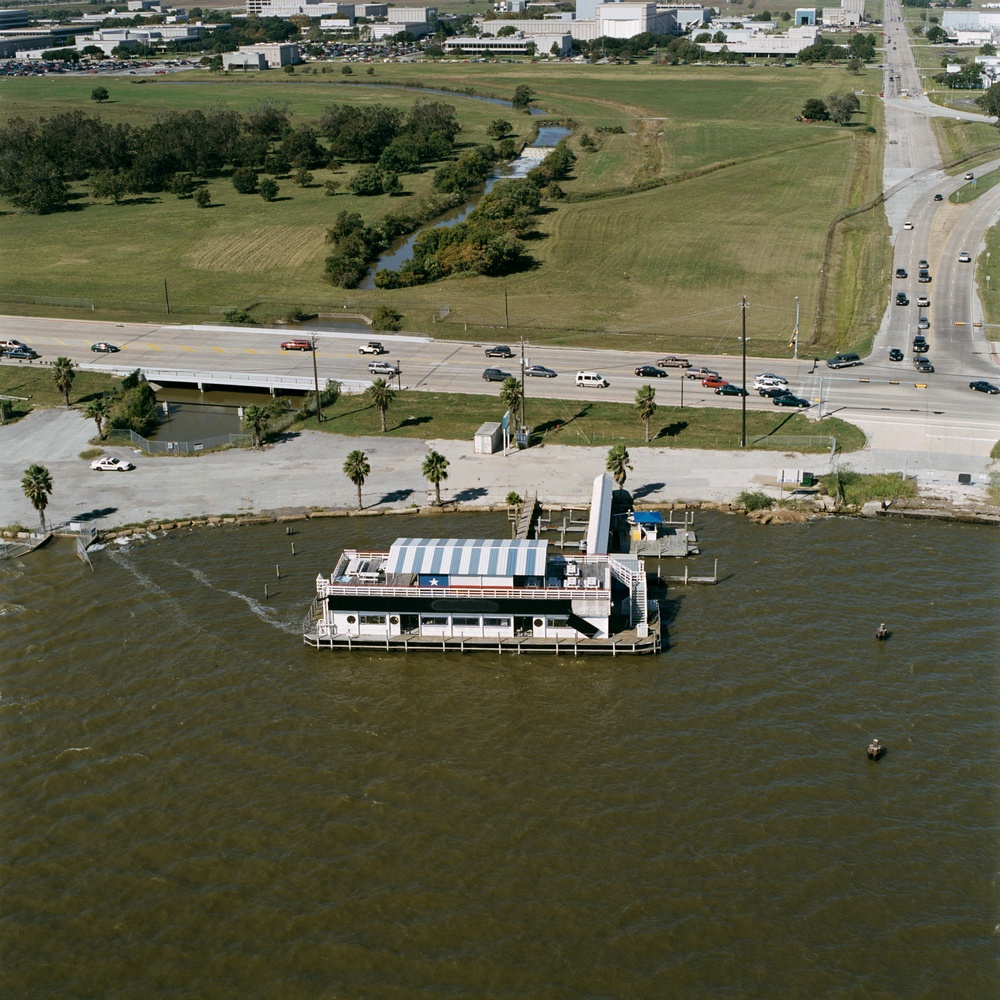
x: 195, y: 804
x: 533, y: 154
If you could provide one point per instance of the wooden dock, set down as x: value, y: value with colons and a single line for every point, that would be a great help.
x: 526, y: 517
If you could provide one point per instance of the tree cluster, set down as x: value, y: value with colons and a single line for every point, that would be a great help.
x: 379, y: 134
x: 823, y: 50
x: 39, y: 159
x: 969, y: 77
x: 488, y: 241
x: 836, y: 108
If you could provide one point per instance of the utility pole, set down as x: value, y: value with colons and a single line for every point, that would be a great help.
x: 506, y: 314
x: 795, y: 337
x: 166, y: 296
x: 319, y: 407
x: 522, y: 369
x: 743, y: 398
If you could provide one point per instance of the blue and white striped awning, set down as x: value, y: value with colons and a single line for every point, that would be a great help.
x: 468, y: 556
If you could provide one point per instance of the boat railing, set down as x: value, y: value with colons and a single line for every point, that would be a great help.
x: 325, y: 589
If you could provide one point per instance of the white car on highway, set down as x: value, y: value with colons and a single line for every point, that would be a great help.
x: 964, y: 257
x: 111, y: 464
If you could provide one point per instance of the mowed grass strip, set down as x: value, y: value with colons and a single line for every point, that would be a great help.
x: 453, y: 416
x: 34, y: 386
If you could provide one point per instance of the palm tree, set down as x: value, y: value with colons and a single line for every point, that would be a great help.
x: 645, y: 404
x: 511, y: 396
x: 357, y: 469
x: 380, y: 394
x: 97, y: 410
x: 37, y: 486
x: 63, y: 374
x: 255, y: 420
x: 618, y: 464
x: 435, y: 470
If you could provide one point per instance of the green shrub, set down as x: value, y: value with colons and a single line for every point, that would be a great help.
x: 755, y: 500
x: 237, y: 315
x: 513, y: 499
x: 387, y: 318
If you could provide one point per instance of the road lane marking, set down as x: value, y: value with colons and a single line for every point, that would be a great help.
x: 190, y: 350
x: 219, y: 349
x: 250, y: 350
x: 153, y: 347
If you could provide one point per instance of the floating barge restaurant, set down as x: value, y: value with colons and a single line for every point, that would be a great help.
x: 468, y: 594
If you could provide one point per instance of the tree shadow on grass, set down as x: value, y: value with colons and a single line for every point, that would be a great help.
x: 671, y: 430
x: 413, y: 422
x: 557, y: 425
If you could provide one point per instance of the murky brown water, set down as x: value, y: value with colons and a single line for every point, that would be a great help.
x: 196, y: 805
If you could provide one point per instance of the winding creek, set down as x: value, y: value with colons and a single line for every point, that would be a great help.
x: 531, y: 156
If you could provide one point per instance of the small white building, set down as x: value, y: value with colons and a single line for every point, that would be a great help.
x: 805, y: 15
x: 978, y: 37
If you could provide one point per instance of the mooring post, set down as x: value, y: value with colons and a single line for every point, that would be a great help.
x: 685, y: 576
x: 265, y: 591
x: 715, y: 572
x: 277, y: 571
x: 293, y: 548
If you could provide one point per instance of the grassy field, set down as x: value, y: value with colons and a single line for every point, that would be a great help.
x: 33, y: 387
x: 457, y: 417
x: 747, y: 194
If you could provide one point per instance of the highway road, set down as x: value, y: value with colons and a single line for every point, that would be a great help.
x: 888, y: 400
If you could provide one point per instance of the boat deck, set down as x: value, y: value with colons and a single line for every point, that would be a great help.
x: 624, y: 643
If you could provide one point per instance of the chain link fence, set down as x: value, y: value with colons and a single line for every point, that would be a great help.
x: 179, y: 447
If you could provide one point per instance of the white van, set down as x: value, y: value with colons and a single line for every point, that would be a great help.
x: 591, y: 380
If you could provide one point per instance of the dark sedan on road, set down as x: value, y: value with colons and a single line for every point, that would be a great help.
x: 922, y: 365
x: 895, y: 354
x: 731, y: 390
x: 983, y: 386
x: 21, y: 354
x: 773, y: 392
x: 496, y: 375
x: 901, y: 272
x: 902, y: 299
x: 939, y: 197
x: 103, y: 348
x: 540, y: 371
x: 651, y: 371
x: 500, y: 351
x: 789, y: 400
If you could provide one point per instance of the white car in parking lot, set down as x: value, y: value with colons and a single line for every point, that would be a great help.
x: 111, y: 464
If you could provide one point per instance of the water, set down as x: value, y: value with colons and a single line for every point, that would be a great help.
x: 533, y: 154
x: 188, y: 420
x: 197, y: 805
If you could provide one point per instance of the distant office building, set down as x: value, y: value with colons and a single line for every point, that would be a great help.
x: 510, y: 44
x: 14, y: 19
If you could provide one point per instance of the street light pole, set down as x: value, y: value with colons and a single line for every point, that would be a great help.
x: 743, y: 398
